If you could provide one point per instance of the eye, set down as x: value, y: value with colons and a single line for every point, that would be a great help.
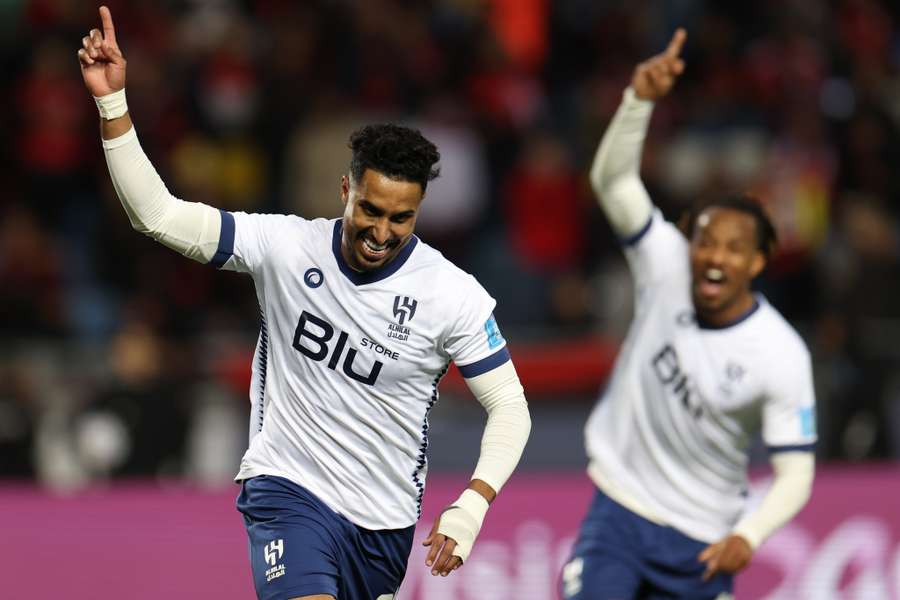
x: 400, y: 219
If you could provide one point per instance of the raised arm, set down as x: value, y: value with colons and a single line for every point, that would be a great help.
x: 614, y: 175
x: 187, y: 227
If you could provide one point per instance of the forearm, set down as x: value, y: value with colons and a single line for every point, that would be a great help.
x: 791, y: 489
x: 505, y: 434
x: 507, y: 429
x: 615, y: 172
x: 113, y: 128
x: 189, y: 228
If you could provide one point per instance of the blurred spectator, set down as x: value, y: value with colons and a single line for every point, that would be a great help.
x: 248, y: 106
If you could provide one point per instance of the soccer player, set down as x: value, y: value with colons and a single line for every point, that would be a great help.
x: 705, y: 365
x: 360, y: 319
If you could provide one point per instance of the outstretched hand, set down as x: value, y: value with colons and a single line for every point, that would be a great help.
x: 653, y: 78
x: 102, y: 63
x: 440, y: 556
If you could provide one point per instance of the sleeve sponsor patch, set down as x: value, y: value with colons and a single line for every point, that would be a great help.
x: 495, y: 338
x: 807, y: 421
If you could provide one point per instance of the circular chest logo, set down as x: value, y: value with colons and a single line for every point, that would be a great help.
x: 313, y: 277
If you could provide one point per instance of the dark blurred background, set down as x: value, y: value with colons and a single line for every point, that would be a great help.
x: 121, y: 358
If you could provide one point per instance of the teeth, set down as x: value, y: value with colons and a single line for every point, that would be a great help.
x: 715, y: 274
x: 374, y: 247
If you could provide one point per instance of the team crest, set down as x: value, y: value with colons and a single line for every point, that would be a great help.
x: 404, y: 311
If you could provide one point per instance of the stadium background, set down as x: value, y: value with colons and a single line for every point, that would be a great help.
x: 124, y: 367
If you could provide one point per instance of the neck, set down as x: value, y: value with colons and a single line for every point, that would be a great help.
x: 727, y: 315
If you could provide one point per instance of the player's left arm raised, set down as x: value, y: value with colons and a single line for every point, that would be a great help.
x: 508, y: 426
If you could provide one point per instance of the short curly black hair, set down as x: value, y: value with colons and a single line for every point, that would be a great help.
x: 401, y: 153
x: 766, y: 237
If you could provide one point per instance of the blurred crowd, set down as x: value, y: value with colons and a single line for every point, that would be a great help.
x: 120, y: 357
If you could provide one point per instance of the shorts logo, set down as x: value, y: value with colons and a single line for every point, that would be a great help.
x: 571, y: 577
x: 313, y: 277
x: 494, y: 337
x: 405, y: 310
x: 273, y: 552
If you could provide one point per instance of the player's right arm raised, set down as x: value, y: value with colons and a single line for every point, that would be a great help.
x: 190, y: 228
x: 614, y: 175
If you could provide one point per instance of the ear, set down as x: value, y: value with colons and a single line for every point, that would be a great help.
x: 757, y: 264
x: 345, y: 189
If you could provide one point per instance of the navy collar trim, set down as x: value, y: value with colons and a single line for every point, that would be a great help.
x: 364, y: 277
x: 707, y: 325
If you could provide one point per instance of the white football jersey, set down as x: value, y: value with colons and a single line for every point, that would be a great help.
x: 671, y: 432
x: 347, y: 364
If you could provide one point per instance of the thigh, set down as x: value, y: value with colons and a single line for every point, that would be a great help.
x: 293, y: 549
x: 672, y: 570
x: 374, y: 565
x: 605, y: 564
x: 600, y: 576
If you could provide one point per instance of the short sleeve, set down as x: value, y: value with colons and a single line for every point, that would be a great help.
x: 789, y: 413
x: 656, y: 251
x: 474, y: 341
x: 246, y: 239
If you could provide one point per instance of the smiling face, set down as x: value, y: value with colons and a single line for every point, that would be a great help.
x: 379, y: 218
x: 725, y: 258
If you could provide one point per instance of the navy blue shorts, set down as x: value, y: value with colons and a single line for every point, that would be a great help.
x: 621, y: 555
x: 300, y: 547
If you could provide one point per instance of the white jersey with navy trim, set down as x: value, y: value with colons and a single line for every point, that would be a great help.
x: 671, y: 432
x: 347, y: 364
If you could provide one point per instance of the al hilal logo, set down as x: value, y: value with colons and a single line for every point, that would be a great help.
x: 404, y: 311
x: 273, y: 553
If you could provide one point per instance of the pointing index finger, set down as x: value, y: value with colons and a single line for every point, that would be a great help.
x: 109, y: 31
x: 675, y: 45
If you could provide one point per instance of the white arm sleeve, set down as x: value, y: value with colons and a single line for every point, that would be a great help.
x: 791, y: 488
x: 505, y: 434
x: 615, y: 173
x: 190, y: 228
x: 508, y: 423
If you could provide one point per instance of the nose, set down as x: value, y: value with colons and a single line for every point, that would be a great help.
x: 717, y: 256
x: 381, y: 231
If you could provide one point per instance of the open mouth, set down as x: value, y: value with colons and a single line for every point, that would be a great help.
x: 373, y: 251
x: 711, y: 282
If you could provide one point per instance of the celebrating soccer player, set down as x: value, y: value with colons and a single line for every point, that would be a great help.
x: 706, y: 364
x: 360, y: 319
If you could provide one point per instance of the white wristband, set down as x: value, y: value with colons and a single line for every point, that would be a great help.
x: 112, y: 106
x: 461, y: 521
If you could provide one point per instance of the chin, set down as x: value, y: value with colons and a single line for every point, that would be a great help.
x: 707, y: 309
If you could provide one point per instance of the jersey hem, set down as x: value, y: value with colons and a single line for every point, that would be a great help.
x: 251, y: 471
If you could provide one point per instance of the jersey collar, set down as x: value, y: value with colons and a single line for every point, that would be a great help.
x: 362, y: 278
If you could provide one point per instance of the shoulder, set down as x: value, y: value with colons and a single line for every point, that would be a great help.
x: 446, y: 285
x: 787, y: 348
x: 442, y: 274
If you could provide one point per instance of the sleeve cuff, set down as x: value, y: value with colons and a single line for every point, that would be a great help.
x: 630, y: 99
x: 484, y: 365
